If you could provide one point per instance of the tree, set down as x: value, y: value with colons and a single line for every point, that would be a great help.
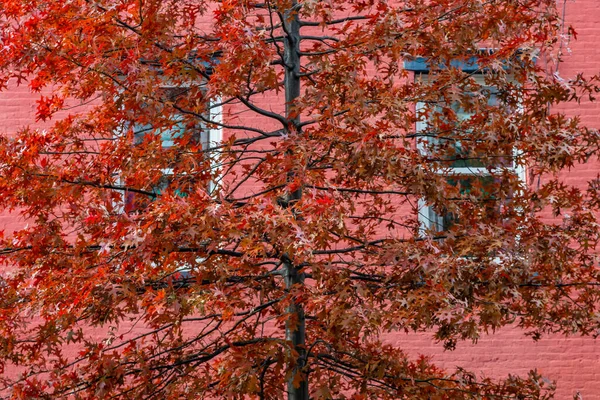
x: 157, y: 261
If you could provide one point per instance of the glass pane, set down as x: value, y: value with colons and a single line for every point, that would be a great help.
x: 458, y: 145
x: 481, y: 186
x: 485, y: 188
x: 168, y: 135
x: 171, y: 130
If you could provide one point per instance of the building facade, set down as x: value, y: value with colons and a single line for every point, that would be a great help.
x: 574, y: 362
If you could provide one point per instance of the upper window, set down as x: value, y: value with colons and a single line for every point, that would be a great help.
x: 452, y: 135
x: 202, y: 133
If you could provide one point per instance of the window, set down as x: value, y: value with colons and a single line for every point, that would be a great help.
x: 452, y: 135
x: 207, y: 136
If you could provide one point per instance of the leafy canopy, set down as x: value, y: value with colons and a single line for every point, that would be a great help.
x: 222, y: 197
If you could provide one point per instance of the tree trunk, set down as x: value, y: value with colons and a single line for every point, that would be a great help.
x: 297, y: 389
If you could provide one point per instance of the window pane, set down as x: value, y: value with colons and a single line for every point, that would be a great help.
x: 485, y: 191
x: 169, y: 141
x: 458, y: 132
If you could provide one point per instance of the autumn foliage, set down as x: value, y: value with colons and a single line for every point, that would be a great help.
x: 227, y: 198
